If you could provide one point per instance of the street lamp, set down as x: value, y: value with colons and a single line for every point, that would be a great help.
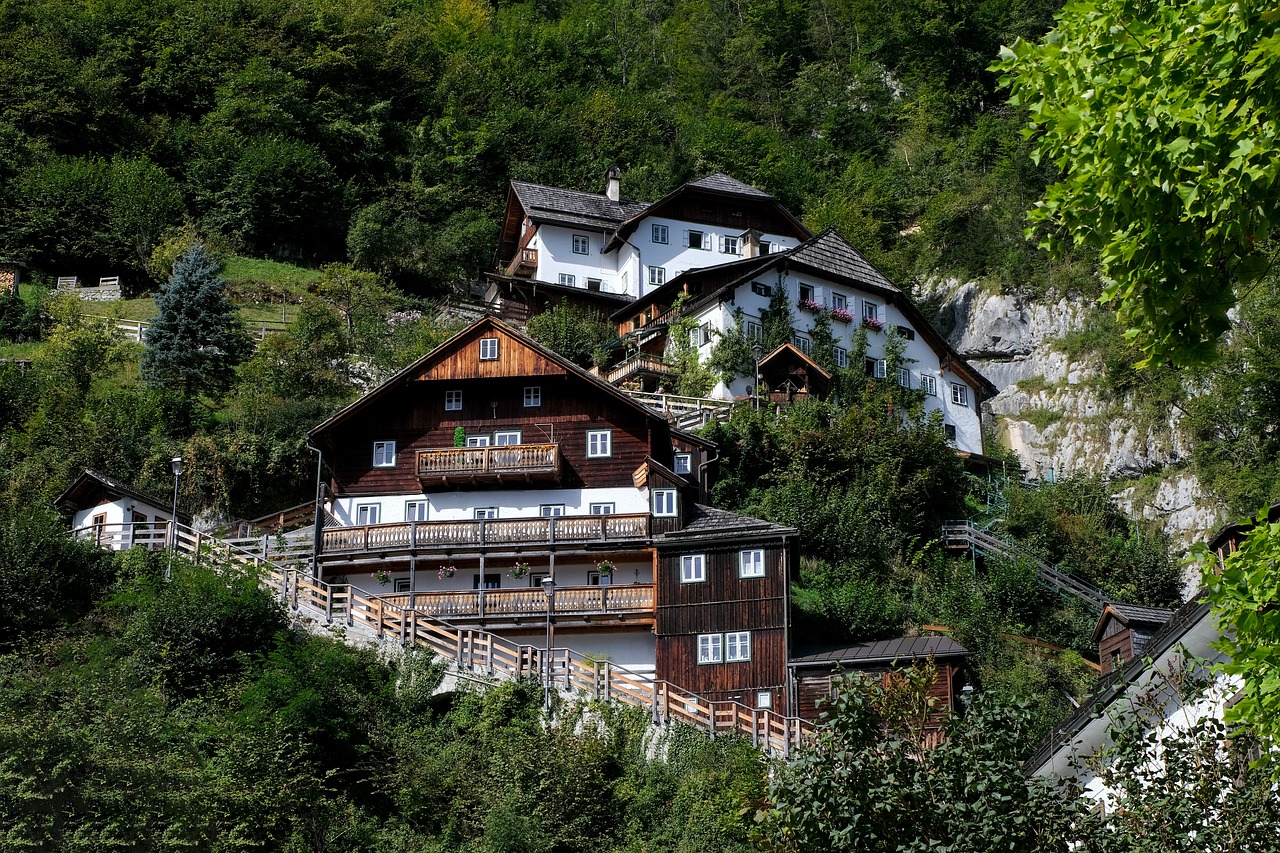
x: 757, y: 351
x: 175, y: 465
x: 549, y: 588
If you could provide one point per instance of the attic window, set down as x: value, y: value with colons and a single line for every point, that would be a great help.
x: 761, y: 289
x: 488, y: 349
x: 907, y: 332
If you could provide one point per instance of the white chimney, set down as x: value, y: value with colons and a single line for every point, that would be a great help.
x: 613, y: 183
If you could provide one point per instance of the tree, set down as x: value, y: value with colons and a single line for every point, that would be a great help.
x: 573, y: 332
x: 1161, y: 117
x: 777, y: 325
x: 197, y: 338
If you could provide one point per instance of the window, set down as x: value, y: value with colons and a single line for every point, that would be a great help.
x: 697, y: 240
x: 483, y: 512
x: 491, y: 581
x: 581, y: 244
x: 602, y: 509
x: 508, y: 438
x: 949, y: 430
x: 764, y: 700
x: 761, y: 289
x: 599, y: 443
x: 766, y: 247
x: 664, y: 503
x: 657, y: 276
x: 806, y: 293
x: 730, y: 246
x: 659, y: 234
x: 532, y: 396
x: 477, y: 441
x: 737, y: 647
x: 566, y: 280
x: 683, y: 463
x: 838, y: 301
x: 693, y: 568
x: 929, y: 384
x: 415, y: 511
x: 754, y: 331
x: 453, y: 401
x: 384, y: 454
x: 876, y: 367
x: 803, y: 344
x: 907, y: 332
x: 488, y: 349
x: 841, y: 356
x: 594, y: 284
x: 710, y: 648
x: 551, y: 510
x: 751, y: 563
x: 625, y: 278
x: 959, y: 394
x: 597, y: 579
x: 904, y: 377
x: 700, y: 336
x: 402, y: 584
x: 870, y: 310
x: 368, y: 513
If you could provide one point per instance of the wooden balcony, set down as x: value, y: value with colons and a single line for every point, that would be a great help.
x: 523, y: 463
x: 630, y: 530
x: 570, y: 601
x: 642, y: 364
x: 524, y: 265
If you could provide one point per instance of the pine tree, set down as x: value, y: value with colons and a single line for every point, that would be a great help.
x: 197, y: 339
x: 777, y: 325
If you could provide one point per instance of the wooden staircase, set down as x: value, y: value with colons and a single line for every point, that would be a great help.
x: 469, y: 651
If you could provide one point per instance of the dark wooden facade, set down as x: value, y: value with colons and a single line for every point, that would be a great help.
x: 1123, y: 631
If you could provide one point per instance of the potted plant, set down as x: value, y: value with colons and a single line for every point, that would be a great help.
x: 447, y: 571
x: 875, y: 324
x: 810, y: 305
x: 382, y: 576
x: 519, y: 570
x: 604, y: 567
x: 842, y: 314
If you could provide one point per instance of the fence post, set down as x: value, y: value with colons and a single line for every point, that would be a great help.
x: 350, y: 607
x: 199, y: 541
x: 595, y: 682
x: 328, y: 605
x: 379, y: 600
x: 654, y: 697
x: 488, y: 655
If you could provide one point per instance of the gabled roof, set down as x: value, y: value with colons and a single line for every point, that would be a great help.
x: 705, y: 520
x: 830, y: 254
x: 572, y: 207
x: 1235, y: 532
x: 797, y: 354
x: 722, y: 183
x: 882, y: 651
x: 86, y: 490
x: 1131, y: 615
x: 424, y: 365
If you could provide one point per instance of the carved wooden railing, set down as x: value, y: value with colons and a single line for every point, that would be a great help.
x: 478, y: 651
x: 568, y: 601
x: 524, y: 264
x: 567, y: 529
x: 489, y: 461
x: 636, y: 364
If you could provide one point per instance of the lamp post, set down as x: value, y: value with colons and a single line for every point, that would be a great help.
x: 175, y: 465
x: 549, y: 588
x: 757, y: 351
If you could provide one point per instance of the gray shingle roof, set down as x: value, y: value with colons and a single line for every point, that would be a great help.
x: 1148, y: 615
x: 592, y: 210
x: 883, y: 651
x: 704, y: 520
x: 829, y: 252
x: 720, y: 182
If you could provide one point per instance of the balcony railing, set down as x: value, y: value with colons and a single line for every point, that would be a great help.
x: 475, y: 464
x: 568, y: 601
x: 426, y: 535
x: 525, y: 264
x: 637, y: 365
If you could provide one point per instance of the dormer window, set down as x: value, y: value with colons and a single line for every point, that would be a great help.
x: 488, y: 349
x: 581, y: 244
x: 664, y: 503
x: 384, y: 454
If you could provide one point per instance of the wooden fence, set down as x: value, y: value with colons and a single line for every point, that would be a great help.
x: 479, y: 651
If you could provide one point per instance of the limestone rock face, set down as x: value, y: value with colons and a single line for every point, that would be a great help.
x: 1054, y: 412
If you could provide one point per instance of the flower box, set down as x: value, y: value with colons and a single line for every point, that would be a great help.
x: 810, y: 305
x: 842, y: 314
x: 875, y: 324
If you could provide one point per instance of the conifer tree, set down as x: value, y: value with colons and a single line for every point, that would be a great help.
x: 777, y: 325
x: 197, y: 339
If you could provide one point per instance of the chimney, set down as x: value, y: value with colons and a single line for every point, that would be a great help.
x: 613, y: 183
x: 751, y: 244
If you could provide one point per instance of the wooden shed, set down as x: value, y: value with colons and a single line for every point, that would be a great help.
x: 1123, y: 631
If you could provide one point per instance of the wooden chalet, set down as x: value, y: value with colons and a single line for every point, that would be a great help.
x: 493, y: 463
x: 1123, y: 632
x: 787, y: 375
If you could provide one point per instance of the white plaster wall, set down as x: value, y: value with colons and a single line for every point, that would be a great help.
x: 555, y: 256
x: 526, y: 503
x: 636, y: 650
x: 117, y: 514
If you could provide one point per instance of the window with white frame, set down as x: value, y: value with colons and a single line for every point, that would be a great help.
x: 904, y: 377
x: 803, y: 344
x: 567, y: 280
x: 766, y: 247
x: 594, y: 284
x: 839, y: 301
x: 841, y: 356
x: 877, y: 367
x: 730, y: 246
x: 488, y: 349
x: 751, y: 563
x: 764, y: 700
x: 929, y: 384
x: 697, y: 240
x: 508, y: 438
x: 959, y: 394
x: 737, y: 647
x: 384, y: 454
x: 870, y: 310
x: 551, y: 510
x: 664, y: 503
x: 415, y: 510
x: 368, y: 513
x: 581, y: 244
x: 657, y: 276
x: 599, y: 443
x: 755, y: 331
x: 693, y: 568
x: 700, y: 335
x: 485, y: 512
x: 625, y: 278
x: 683, y: 463
x: 602, y: 509
x: 477, y: 441
x: 453, y: 401
x: 532, y: 396
x: 659, y: 234
x: 710, y: 648
x: 759, y: 288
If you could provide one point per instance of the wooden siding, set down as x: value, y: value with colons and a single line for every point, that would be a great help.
x: 1116, y: 643
x: 812, y: 686
x: 677, y: 662
x: 462, y: 359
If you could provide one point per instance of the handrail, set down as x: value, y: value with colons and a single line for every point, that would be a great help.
x: 565, y: 529
x: 474, y: 649
x: 965, y: 533
x: 504, y: 459
x: 569, y: 600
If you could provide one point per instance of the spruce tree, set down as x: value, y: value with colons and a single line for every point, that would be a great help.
x: 777, y: 326
x: 196, y: 339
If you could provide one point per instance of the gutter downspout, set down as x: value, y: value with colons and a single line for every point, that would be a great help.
x: 702, y: 474
x: 318, y: 536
